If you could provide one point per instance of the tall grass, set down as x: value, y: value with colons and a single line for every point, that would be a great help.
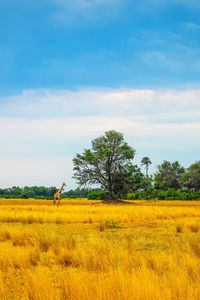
x: 89, y: 250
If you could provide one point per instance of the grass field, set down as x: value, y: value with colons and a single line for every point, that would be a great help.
x: 90, y: 250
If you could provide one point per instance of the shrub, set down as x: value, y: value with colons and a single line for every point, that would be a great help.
x: 170, y: 194
x: 133, y: 196
x: 97, y: 195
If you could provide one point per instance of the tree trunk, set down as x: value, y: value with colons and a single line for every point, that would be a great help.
x: 146, y: 171
x: 111, y: 195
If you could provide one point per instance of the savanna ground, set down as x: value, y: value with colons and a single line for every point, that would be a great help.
x: 91, y: 250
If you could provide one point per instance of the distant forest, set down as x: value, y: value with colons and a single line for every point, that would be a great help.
x: 42, y: 192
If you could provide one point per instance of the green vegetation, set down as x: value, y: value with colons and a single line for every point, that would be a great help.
x: 37, y: 192
x: 41, y: 192
x: 96, y: 195
x: 191, y: 178
x: 169, y: 176
x: 169, y: 194
x: 146, y: 161
x: 108, y: 163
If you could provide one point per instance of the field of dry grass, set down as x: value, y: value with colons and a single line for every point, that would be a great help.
x: 89, y: 250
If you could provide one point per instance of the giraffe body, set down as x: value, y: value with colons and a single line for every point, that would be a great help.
x: 58, y: 194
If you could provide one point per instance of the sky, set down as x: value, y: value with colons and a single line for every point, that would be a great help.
x: 71, y: 70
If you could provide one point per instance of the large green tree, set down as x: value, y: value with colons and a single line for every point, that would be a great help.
x: 108, y: 163
x: 191, y: 178
x: 169, y: 175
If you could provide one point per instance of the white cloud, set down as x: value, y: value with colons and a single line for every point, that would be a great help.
x: 161, y: 60
x: 41, y: 130
x: 77, y: 11
x: 192, y: 26
x: 161, y: 3
x: 194, y: 3
x: 49, y: 103
x: 92, y: 10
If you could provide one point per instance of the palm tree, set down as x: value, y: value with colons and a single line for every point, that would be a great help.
x: 146, y: 161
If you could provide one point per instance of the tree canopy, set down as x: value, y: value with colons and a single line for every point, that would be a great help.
x: 191, y: 178
x: 146, y: 161
x: 168, y: 175
x: 108, y: 163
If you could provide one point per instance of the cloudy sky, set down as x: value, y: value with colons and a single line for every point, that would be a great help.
x: 70, y: 70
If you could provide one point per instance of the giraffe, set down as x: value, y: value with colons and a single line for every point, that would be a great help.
x: 57, y: 195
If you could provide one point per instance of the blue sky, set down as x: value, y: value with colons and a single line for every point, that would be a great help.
x: 72, y: 69
x: 115, y: 43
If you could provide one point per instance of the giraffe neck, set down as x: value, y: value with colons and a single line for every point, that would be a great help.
x: 62, y: 188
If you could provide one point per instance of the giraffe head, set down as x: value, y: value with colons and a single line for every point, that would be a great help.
x: 63, y: 186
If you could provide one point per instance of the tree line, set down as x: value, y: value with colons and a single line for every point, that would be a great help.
x: 108, y: 164
x: 42, y: 192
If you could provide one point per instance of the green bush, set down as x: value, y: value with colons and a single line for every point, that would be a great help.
x: 96, y: 195
x: 170, y: 194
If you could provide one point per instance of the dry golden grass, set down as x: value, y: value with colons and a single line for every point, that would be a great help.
x: 140, y: 250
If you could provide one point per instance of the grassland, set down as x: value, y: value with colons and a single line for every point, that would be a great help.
x: 89, y: 250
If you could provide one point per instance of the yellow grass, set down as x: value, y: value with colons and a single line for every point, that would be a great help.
x: 140, y: 250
